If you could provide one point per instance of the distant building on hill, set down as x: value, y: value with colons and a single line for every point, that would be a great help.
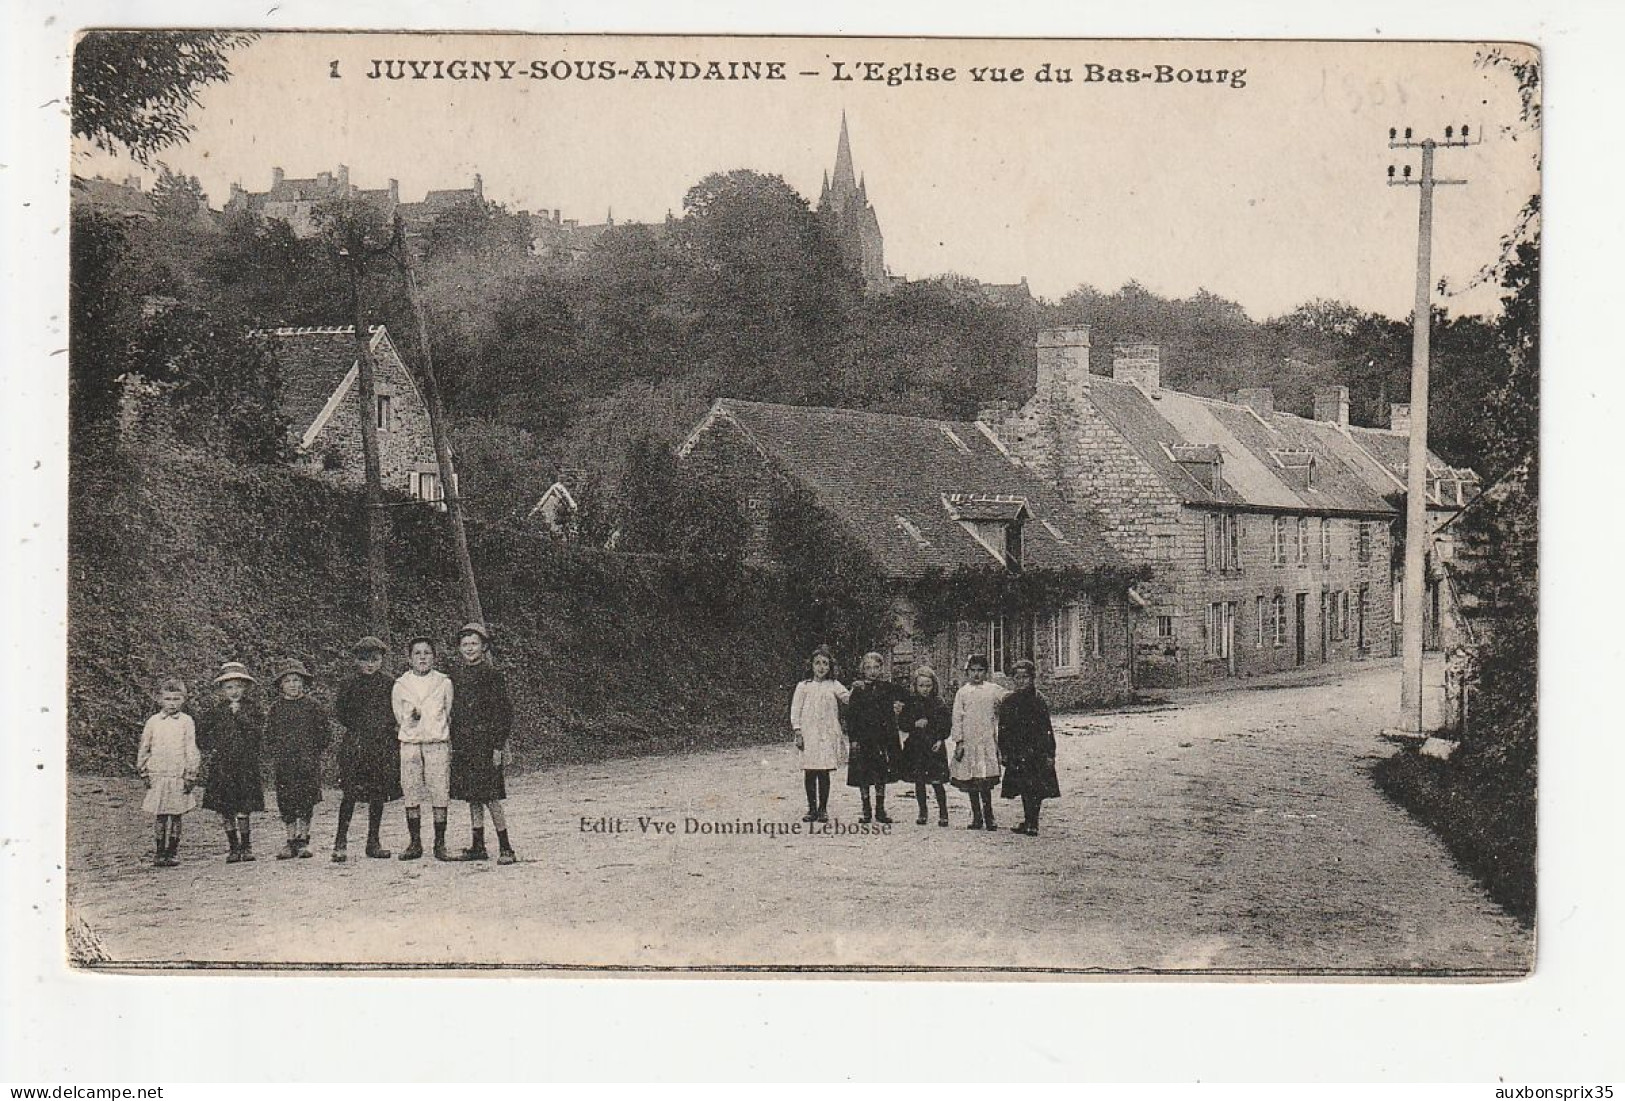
x: 928, y: 501
x: 296, y: 200
x: 319, y: 369
x: 125, y: 199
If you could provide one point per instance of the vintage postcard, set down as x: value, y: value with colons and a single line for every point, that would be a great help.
x: 718, y: 505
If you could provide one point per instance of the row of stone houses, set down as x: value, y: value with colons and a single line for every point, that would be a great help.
x: 1266, y: 536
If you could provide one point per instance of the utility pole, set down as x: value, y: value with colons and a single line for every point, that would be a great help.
x: 1414, y: 588
x: 437, y: 429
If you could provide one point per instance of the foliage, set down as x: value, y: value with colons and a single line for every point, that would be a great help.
x: 991, y: 591
x: 832, y: 587
x: 181, y: 560
x: 132, y: 90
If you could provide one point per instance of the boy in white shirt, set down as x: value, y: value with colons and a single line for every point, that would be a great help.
x: 422, y: 701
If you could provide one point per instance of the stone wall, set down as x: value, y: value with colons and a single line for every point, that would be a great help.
x: 405, y: 445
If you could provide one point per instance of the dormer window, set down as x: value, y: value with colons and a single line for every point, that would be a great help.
x: 995, y: 521
x: 1297, y: 467
x: 1202, y: 461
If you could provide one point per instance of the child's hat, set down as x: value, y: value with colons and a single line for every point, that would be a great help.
x: 369, y: 644
x: 289, y: 668
x: 234, y: 670
x: 1024, y: 666
x: 474, y: 627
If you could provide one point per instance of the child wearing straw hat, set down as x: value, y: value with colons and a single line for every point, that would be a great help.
x: 168, y: 762
x: 369, y: 754
x: 229, y: 737
x: 297, y: 731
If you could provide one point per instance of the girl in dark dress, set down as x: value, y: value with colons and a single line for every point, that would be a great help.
x: 481, y: 720
x: 296, y: 729
x: 229, y: 739
x: 871, y: 725
x: 1027, y: 747
x: 926, y: 723
x: 369, y: 754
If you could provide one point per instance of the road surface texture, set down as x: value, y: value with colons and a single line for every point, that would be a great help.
x: 1225, y: 832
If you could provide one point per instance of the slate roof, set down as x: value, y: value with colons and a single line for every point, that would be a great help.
x: 892, y: 481
x: 112, y: 197
x: 313, y: 362
x: 1174, y: 432
x: 1448, y: 487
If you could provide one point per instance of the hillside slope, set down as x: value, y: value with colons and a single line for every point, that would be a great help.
x: 179, y: 561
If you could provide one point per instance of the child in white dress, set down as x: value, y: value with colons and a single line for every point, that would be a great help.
x: 815, y: 717
x: 168, y: 761
x: 974, y: 761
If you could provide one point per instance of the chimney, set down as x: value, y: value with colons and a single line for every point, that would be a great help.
x: 344, y: 178
x: 479, y: 187
x: 1399, y: 417
x: 276, y: 177
x: 556, y: 215
x: 1063, y: 363
x: 1332, y: 405
x: 395, y: 192
x: 1260, y: 399
x: 1138, y: 361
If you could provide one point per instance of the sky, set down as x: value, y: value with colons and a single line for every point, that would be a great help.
x: 1269, y: 194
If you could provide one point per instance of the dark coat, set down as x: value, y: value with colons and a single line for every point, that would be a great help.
x: 871, y: 726
x: 1027, y: 746
x: 230, y: 744
x: 925, y: 756
x: 296, y: 732
x: 481, y: 721
x: 369, y: 753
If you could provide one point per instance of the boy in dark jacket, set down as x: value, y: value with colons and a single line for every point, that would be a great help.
x: 369, y: 754
x: 481, y: 720
x: 296, y: 730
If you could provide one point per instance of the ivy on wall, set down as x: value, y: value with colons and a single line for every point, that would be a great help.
x: 986, y: 592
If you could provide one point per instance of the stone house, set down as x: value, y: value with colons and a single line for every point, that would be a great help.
x: 928, y: 500
x: 319, y: 370
x: 1268, y: 550
x: 1449, y: 490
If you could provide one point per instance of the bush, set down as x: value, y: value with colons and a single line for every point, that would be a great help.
x: 179, y: 561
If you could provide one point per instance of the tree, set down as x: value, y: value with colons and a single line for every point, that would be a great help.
x: 133, y: 90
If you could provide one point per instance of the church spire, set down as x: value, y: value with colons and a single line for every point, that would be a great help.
x: 845, y: 181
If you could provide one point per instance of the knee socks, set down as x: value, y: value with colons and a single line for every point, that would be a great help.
x: 987, y: 805
x: 919, y: 795
x: 809, y: 779
x: 1030, y: 806
x: 975, y: 807
x: 346, y: 812
x: 942, y: 800
x: 823, y: 792
x: 375, y: 822
x: 414, y: 826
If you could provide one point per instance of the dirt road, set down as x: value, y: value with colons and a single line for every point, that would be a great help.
x: 1235, y: 831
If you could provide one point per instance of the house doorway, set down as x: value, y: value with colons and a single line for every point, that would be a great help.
x: 1301, y: 607
x: 1324, y: 626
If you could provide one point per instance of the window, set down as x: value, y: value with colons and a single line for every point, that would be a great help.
x: 1233, y: 541
x: 1094, y: 625
x: 1343, y: 613
x: 1325, y: 542
x: 1219, y: 627
x: 1064, y: 625
x: 384, y: 413
x: 1365, y: 543
x: 1012, y: 546
x: 995, y: 644
x: 1303, y: 540
x: 1222, y: 549
x: 1331, y: 616
x: 1260, y: 623
x: 1362, y: 609
x: 1278, y: 542
x: 426, y: 486
x: 1278, y: 616
x: 1165, y: 626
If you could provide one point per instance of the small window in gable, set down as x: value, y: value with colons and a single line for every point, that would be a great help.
x: 385, y: 413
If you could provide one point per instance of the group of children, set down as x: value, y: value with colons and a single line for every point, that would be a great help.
x: 887, y: 733
x: 423, y: 736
